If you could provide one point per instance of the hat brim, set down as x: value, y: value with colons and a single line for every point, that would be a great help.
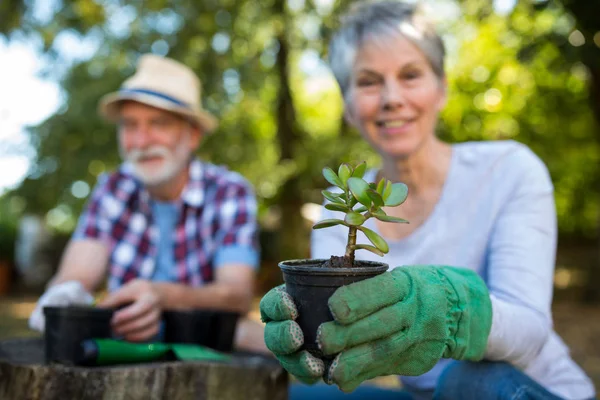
x: 109, y: 106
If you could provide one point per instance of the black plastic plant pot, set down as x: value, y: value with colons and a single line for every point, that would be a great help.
x: 310, y: 285
x: 67, y: 327
x: 210, y: 328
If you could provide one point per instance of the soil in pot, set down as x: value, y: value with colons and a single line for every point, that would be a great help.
x: 312, y: 282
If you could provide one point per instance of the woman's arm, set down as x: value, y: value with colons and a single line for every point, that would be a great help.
x: 520, y: 264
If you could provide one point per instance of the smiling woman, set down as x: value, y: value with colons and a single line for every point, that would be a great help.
x: 475, y: 261
x: 394, y: 99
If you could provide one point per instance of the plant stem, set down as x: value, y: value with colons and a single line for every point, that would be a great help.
x: 350, y: 247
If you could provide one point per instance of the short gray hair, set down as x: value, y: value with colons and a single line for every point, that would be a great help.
x: 373, y: 19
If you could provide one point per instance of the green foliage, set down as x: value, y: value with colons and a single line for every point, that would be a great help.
x: 8, y: 232
x: 244, y: 84
x: 519, y: 77
x: 371, y: 196
x: 510, y: 77
x: 11, y: 12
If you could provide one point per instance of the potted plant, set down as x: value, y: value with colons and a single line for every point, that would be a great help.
x: 310, y: 282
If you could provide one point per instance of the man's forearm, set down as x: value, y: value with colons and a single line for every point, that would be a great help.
x: 84, y: 261
x: 218, y: 295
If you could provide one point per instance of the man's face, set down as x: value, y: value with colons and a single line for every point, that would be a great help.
x: 156, y: 142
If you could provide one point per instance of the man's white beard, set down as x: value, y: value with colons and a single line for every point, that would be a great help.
x: 172, y: 162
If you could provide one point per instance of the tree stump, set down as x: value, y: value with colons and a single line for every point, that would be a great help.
x: 25, y: 376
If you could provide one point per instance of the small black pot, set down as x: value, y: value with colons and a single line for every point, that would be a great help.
x: 311, y: 285
x: 67, y: 327
x: 210, y: 328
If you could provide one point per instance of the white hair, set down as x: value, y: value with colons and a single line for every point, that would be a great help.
x: 376, y: 20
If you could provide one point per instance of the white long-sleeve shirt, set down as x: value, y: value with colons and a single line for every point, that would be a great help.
x: 496, y: 216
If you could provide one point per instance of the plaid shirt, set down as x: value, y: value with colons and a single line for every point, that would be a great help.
x: 217, y: 211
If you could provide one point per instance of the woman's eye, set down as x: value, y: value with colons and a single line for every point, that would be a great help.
x: 411, y: 75
x: 366, y: 82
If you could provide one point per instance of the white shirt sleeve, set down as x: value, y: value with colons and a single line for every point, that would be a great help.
x: 329, y: 241
x: 520, y: 265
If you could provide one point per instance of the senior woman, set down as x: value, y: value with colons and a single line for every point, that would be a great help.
x: 466, y: 312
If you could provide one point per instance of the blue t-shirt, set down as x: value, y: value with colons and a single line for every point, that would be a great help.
x: 165, y: 214
x: 496, y: 216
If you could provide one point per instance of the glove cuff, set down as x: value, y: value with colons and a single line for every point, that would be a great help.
x: 469, y: 316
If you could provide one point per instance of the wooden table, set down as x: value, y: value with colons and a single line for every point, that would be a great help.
x: 25, y: 376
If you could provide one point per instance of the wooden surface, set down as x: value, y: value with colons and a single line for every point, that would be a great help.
x: 24, y: 376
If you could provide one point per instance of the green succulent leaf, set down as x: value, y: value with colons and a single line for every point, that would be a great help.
x: 381, y: 186
x: 388, y: 190
x: 377, y: 240
x: 369, y: 198
x: 337, y: 207
x: 359, y: 170
x: 344, y: 172
x: 372, y: 249
x: 379, y: 212
x: 354, y: 219
x: 332, y: 177
x: 333, y: 197
x: 326, y: 223
x: 375, y: 197
x: 359, y: 188
x: 398, y: 195
x: 352, y: 202
x: 389, y: 218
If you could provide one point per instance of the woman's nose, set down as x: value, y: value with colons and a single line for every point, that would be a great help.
x: 393, y: 95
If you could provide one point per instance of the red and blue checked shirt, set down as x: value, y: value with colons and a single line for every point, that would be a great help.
x: 216, y: 224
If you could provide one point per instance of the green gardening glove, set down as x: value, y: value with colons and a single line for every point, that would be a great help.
x: 284, y: 337
x: 402, y: 322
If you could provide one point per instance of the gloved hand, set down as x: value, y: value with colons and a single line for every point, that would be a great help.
x: 63, y: 294
x: 284, y: 337
x: 404, y: 321
x: 400, y: 322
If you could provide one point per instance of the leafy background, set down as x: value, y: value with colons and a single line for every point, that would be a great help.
x: 531, y: 74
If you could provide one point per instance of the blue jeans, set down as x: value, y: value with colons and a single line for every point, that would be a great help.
x: 462, y: 380
x: 321, y: 391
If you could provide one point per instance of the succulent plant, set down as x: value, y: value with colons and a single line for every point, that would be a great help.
x: 359, y: 201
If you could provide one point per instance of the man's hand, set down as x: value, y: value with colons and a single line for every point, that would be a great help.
x: 139, y: 319
x: 62, y: 294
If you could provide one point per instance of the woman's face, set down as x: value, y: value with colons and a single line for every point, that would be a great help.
x: 394, y: 96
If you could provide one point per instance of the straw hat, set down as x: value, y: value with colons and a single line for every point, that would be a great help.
x: 162, y: 83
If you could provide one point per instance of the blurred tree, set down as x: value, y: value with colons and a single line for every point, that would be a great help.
x: 527, y: 75
x: 587, y: 39
x: 535, y: 75
x: 250, y: 58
